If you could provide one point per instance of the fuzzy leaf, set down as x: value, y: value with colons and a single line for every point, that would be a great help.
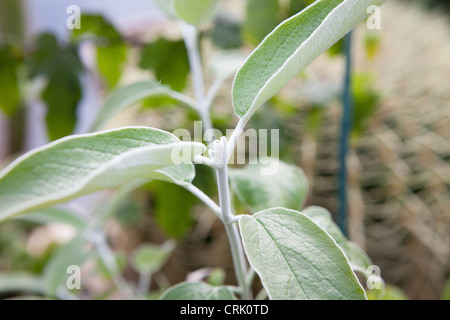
x: 126, y: 96
x: 297, y: 259
x: 292, y: 46
x: 78, y: 165
x: 357, y: 257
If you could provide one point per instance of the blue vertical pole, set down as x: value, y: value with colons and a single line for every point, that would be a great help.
x: 346, y: 124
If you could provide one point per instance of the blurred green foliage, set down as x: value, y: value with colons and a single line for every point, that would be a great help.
x: 365, y: 101
x: 168, y: 60
x: 61, y: 67
x: 10, y: 61
x: 226, y: 33
x: 446, y: 292
x: 173, y: 217
x: 112, y: 50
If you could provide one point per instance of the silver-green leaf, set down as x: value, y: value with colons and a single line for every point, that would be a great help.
x: 181, y: 174
x: 292, y: 46
x: 78, y: 165
x: 129, y: 95
x: 357, y: 257
x: 297, y: 259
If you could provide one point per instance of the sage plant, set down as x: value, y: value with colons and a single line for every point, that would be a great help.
x: 298, y: 253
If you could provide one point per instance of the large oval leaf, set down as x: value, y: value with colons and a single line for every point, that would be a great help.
x: 295, y: 258
x: 78, y: 165
x: 181, y: 174
x: 357, y: 257
x: 286, y: 187
x: 126, y: 96
x: 197, y: 291
x: 291, y: 46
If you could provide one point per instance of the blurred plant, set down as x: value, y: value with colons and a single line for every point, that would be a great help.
x: 111, y: 47
x: 22, y: 62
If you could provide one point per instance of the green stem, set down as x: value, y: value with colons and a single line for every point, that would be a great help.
x: 204, y: 198
x: 145, y: 280
x: 237, y: 253
x: 235, y: 241
x: 234, y: 137
x: 107, y: 256
x: 190, y: 37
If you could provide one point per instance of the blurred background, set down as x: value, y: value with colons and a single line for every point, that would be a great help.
x: 54, y: 80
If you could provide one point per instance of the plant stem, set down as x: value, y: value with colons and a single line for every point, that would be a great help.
x: 190, y: 37
x: 184, y: 99
x: 205, y: 105
x: 234, y: 137
x: 107, y: 256
x: 345, y: 132
x: 212, y: 92
x: 224, y: 193
x: 144, y: 284
x: 206, y: 120
x: 237, y: 251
